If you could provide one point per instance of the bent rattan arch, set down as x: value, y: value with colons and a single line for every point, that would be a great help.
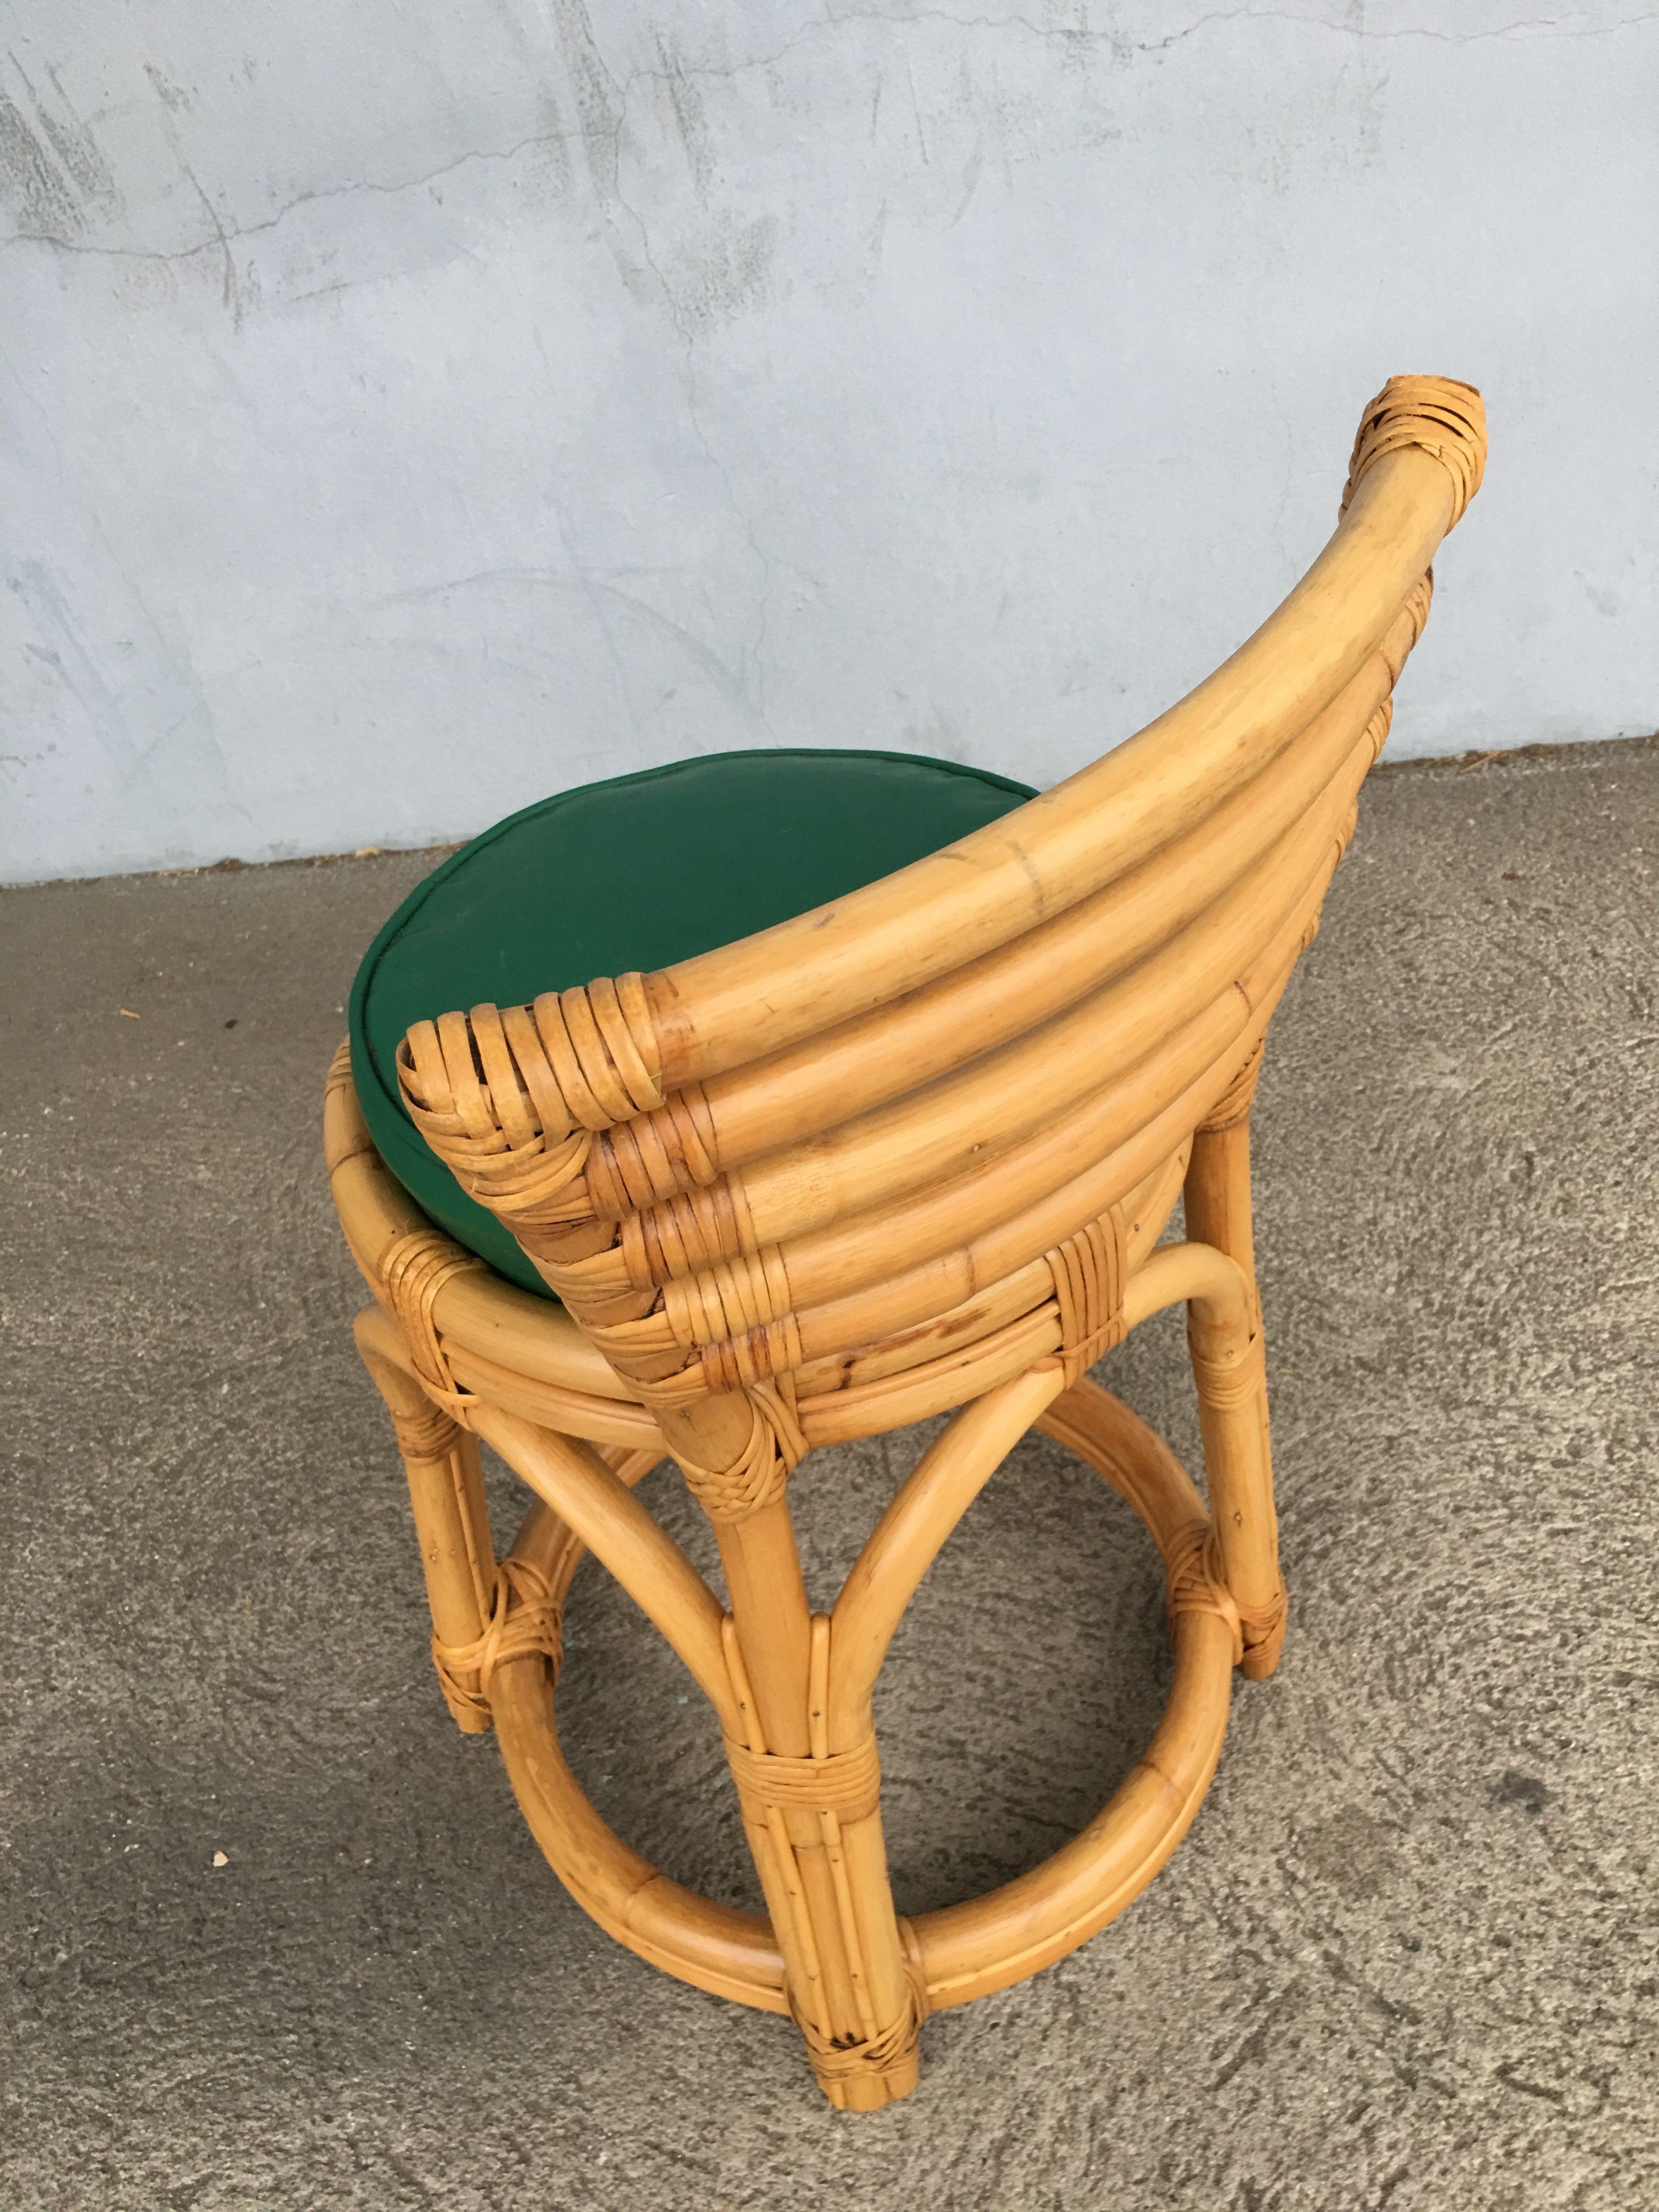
x: 911, y: 1153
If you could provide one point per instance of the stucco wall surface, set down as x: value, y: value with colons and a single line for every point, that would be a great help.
x: 411, y: 407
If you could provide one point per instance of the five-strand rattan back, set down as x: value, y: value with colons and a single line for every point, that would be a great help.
x: 766, y: 1158
x: 911, y: 1152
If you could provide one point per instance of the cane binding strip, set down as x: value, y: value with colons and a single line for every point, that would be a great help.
x: 756, y: 1478
x: 523, y: 1623
x: 1086, y: 1271
x: 1234, y: 1377
x: 1195, y: 1583
x: 838, y: 2063
x: 1233, y: 1106
x: 428, y: 1433
x: 1435, y: 416
x: 847, y: 1784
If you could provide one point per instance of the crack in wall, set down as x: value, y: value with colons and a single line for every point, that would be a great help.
x: 601, y: 131
x: 225, y: 234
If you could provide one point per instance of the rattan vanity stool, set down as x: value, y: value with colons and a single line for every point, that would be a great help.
x: 784, y: 1177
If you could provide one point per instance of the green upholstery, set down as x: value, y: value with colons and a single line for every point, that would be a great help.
x: 635, y: 873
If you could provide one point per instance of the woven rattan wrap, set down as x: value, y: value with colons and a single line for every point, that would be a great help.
x: 847, y: 1784
x: 682, y: 1233
x: 741, y: 1311
x: 511, y: 1148
x: 1434, y: 413
x: 857, y: 2058
x: 1087, y: 1273
x: 1196, y: 1583
x: 1237, y: 1378
x: 426, y: 1433
x: 584, y: 1059
x: 523, y: 1623
x: 1233, y: 1106
x: 654, y: 1156
x: 415, y: 1269
x: 757, y: 1478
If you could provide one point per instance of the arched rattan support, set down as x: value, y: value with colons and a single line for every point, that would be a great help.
x: 964, y: 1950
x: 585, y: 1492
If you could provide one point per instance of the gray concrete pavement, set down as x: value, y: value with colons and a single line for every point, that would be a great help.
x: 1407, y: 1956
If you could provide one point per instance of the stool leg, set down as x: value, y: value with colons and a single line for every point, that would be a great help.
x: 1216, y: 1193
x: 823, y: 1868
x: 1230, y: 1369
x: 451, y: 1525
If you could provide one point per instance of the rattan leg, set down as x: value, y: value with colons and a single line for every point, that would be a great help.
x: 1230, y: 1368
x: 451, y: 1526
x: 1216, y: 1192
x: 810, y: 1806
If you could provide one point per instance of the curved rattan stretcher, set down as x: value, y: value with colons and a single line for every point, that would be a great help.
x: 912, y: 1152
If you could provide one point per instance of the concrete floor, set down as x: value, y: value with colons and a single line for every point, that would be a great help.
x: 1407, y: 1957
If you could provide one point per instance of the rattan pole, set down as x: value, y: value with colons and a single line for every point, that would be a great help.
x: 776, y: 1102
x: 1217, y: 1193
x: 772, y: 1624
x: 832, y: 1911
x: 987, y: 1942
x: 1033, y: 1082
x: 869, y: 1896
x: 1225, y: 1343
x: 999, y: 1217
x: 716, y: 1947
x: 1226, y: 1351
x: 1219, y: 1212
x: 728, y: 1005
x: 907, y: 1540
x: 446, y: 1493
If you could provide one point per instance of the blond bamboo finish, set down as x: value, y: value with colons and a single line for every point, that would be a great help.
x: 909, y: 1154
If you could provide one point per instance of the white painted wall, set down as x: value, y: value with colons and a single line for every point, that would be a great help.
x: 411, y: 407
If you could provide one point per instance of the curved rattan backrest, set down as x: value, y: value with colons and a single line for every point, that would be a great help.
x: 797, y: 1145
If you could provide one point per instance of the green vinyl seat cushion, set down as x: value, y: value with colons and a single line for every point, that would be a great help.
x: 635, y: 873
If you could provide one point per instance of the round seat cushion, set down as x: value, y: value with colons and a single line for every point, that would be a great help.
x: 636, y: 873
